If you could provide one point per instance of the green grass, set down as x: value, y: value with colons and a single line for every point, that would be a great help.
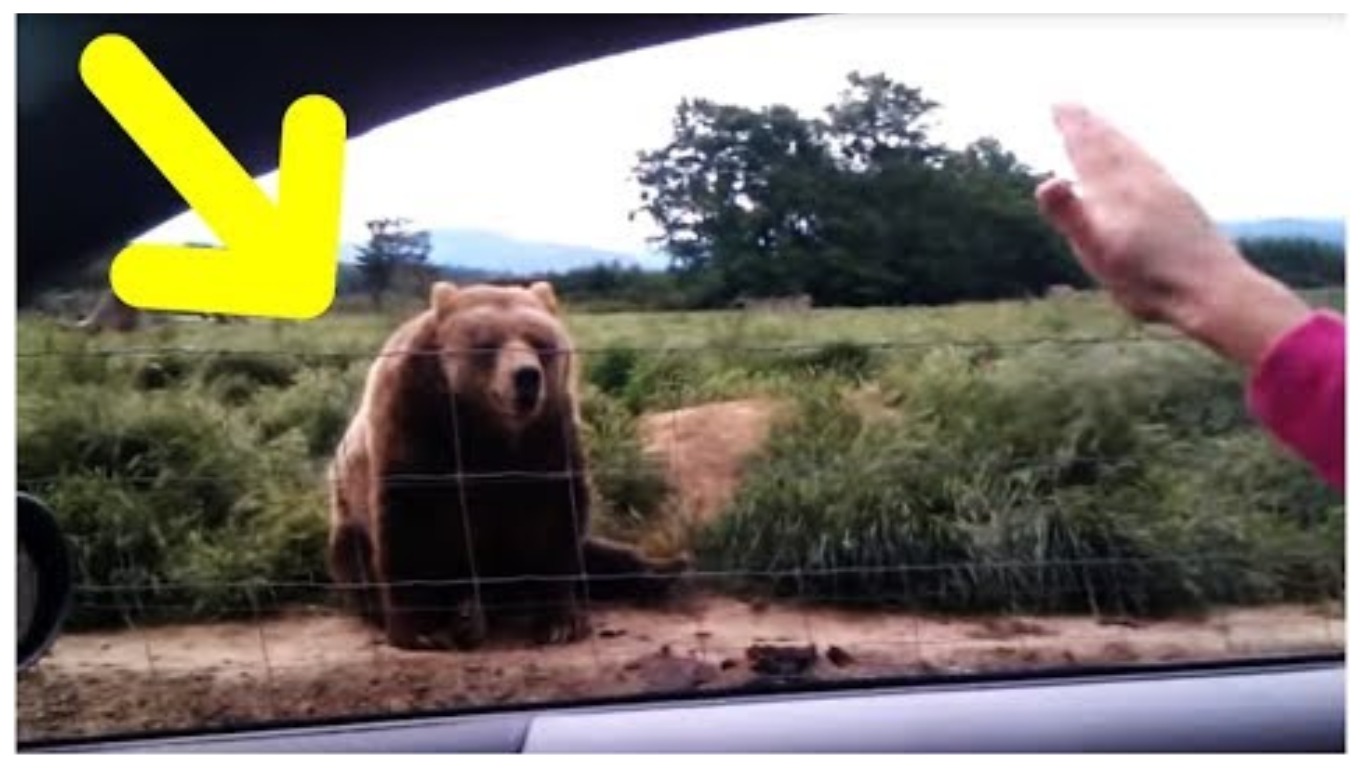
x: 1100, y: 480
x: 1080, y: 474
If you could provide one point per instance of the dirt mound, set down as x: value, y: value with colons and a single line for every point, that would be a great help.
x: 704, y: 449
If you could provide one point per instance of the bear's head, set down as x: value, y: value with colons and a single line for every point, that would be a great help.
x: 505, y: 350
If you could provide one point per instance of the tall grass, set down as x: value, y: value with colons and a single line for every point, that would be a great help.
x: 1117, y: 480
x: 189, y: 477
x: 993, y: 473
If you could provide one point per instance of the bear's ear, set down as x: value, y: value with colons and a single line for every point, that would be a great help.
x: 546, y: 293
x: 444, y: 295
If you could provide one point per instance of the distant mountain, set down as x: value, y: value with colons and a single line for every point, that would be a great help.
x: 480, y: 253
x: 490, y: 253
x: 1328, y: 230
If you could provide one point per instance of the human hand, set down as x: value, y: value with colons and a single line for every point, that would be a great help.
x: 1150, y: 244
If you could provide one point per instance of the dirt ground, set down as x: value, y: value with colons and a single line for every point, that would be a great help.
x: 315, y: 664
x: 312, y: 665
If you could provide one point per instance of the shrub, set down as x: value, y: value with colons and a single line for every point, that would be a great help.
x: 998, y: 476
x: 1051, y: 481
x: 161, y: 372
x: 840, y: 359
x: 255, y: 368
x: 661, y: 381
x: 611, y: 370
x: 629, y: 486
x: 172, y: 508
x: 318, y: 406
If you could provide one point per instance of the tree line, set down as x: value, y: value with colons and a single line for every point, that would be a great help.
x: 857, y: 206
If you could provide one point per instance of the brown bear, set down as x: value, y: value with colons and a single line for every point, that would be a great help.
x: 460, y: 487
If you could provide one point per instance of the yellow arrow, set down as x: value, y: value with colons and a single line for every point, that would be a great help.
x: 278, y: 261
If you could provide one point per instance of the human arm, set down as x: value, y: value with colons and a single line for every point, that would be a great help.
x: 1150, y: 244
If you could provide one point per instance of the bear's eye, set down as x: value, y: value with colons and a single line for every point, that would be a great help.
x: 545, y: 347
x: 482, y: 347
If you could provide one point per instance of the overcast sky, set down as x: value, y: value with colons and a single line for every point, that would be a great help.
x: 1247, y: 111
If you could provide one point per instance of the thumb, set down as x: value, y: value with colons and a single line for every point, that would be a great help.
x: 1065, y: 211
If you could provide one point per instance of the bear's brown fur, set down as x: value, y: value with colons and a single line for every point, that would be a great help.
x: 460, y: 487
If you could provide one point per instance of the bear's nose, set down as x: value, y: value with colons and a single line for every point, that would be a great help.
x: 526, y: 381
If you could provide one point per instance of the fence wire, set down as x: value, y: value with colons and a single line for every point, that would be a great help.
x: 697, y: 574
x: 1150, y: 337
x: 796, y: 600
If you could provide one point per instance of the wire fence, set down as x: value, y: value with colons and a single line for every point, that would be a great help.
x: 1063, y: 460
x: 926, y: 574
x: 1145, y: 337
x: 698, y: 575
x: 257, y: 665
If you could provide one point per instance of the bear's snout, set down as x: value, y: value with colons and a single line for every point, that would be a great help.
x: 526, y: 387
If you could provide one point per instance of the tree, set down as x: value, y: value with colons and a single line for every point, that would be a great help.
x: 392, y: 249
x: 878, y: 122
x: 856, y: 207
x: 1299, y: 262
x: 733, y: 193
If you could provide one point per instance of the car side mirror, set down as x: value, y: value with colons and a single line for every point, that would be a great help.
x: 46, y: 579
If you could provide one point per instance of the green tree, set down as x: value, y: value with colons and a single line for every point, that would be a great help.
x: 857, y: 207
x: 878, y: 122
x: 391, y: 249
x: 1297, y: 261
x: 733, y: 194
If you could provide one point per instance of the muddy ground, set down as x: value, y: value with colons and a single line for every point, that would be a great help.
x: 316, y: 664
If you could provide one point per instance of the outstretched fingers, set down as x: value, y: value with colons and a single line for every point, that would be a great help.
x: 1066, y: 212
x: 1100, y: 153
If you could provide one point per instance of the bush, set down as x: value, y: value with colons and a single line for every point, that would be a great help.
x: 318, y: 406
x: 1300, y: 262
x: 1055, y: 477
x: 1053, y: 481
x: 54, y: 358
x: 252, y: 368
x: 161, y: 372
x: 840, y: 359
x: 173, y: 510
x: 611, y: 370
x: 629, y: 486
x: 662, y: 381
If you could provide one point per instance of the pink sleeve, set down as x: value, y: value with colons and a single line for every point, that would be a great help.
x: 1298, y: 392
